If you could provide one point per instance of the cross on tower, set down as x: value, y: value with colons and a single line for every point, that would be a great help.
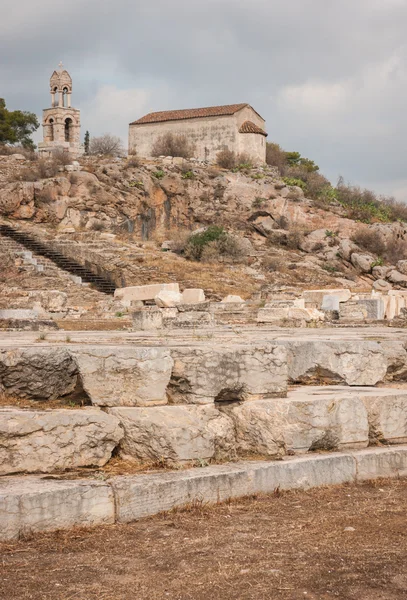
x: 60, y: 65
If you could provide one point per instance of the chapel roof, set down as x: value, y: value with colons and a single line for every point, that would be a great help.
x: 250, y: 127
x: 191, y: 113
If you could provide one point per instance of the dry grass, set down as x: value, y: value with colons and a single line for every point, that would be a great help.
x: 285, y: 546
x: 6, y: 401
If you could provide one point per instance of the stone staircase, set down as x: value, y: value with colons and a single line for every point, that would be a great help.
x: 331, y: 411
x: 36, y: 251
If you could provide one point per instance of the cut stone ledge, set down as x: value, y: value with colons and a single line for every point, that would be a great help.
x: 35, y: 504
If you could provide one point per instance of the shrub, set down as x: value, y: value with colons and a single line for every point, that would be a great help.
x: 198, y: 241
x: 97, y: 226
x: 258, y: 202
x: 274, y: 263
x: 276, y: 157
x: 171, y: 144
x: 227, y: 247
x: 226, y: 159
x: 132, y: 162
x: 282, y: 222
x: 297, y: 182
x: 61, y: 158
x: 188, y: 175
x: 369, y: 240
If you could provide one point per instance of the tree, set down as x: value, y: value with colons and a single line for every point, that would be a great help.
x: 16, y: 127
x: 86, y: 142
x: 106, y: 144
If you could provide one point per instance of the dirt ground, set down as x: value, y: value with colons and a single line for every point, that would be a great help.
x: 347, y: 543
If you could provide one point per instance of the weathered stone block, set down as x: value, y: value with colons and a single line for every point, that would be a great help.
x: 271, y: 315
x: 175, y: 434
x: 193, y: 296
x: 120, y: 376
x: 302, y: 422
x: 323, y: 361
x: 381, y: 462
x: 37, y: 504
x: 37, y: 373
x: 387, y: 414
x: 147, y: 319
x: 144, y: 292
x: 44, y: 441
x: 374, y: 307
x: 168, y: 299
x: 235, y: 372
x: 352, y: 311
x: 316, y: 296
x: 330, y: 303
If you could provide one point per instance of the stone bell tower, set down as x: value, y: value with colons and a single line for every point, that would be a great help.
x: 61, y: 122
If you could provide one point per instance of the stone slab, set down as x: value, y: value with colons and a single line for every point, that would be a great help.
x: 144, y: 292
x: 124, y: 376
x: 43, y: 441
x: 29, y: 504
x: 146, y: 495
x: 381, y: 463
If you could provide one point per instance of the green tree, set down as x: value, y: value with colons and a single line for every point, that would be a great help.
x: 87, y: 142
x: 16, y: 127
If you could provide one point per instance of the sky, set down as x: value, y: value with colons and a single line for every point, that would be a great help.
x: 329, y: 76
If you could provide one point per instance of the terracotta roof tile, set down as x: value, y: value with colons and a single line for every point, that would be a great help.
x: 249, y: 127
x: 190, y: 113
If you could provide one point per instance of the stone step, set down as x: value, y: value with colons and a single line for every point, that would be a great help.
x: 34, y: 503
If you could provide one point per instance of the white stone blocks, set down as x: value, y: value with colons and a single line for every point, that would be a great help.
x: 168, y: 299
x: 149, y: 318
x: 193, y: 296
x: 144, y: 292
x: 29, y: 504
x: 175, y: 434
x: 50, y: 440
x: 209, y: 373
x: 124, y: 376
x: 333, y: 362
x: 316, y: 296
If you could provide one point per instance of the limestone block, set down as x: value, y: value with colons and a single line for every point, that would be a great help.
x: 193, y: 296
x: 44, y: 441
x: 352, y: 311
x: 168, y: 299
x: 38, y: 504
x: 316, y: 296
x: 271, y: 315
x: 175, y: 434
x: 391, y: 308
x: 381, y: 285
x: 381, y: 462
x: 37, y: 373
x: 202, y: 375
x: 330, y: 302
x: 387, y: 414
x: 363, y: 262
x: 142, y: 495
x: 147, y: 319
x: 397, y: 278
x: 193, y: 318
x: 374, y: 307
x: 233, y: 299
x: 322, y: 361
x: 302, y: 422
x: 144, y: 292
x: 124, y: 376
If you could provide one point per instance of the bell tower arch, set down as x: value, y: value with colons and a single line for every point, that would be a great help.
x: 61, y: 122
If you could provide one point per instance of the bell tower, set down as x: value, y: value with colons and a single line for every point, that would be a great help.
x: 61, y: 123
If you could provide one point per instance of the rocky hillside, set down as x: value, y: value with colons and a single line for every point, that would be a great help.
x: 132, y: 218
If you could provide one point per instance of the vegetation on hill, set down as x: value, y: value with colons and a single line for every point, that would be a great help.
x: 16, y: 127
x: 359, y: 204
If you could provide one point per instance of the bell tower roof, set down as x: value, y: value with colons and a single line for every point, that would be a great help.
x: 60, y: 79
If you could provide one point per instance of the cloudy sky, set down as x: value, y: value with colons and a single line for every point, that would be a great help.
x: 329, y: 77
